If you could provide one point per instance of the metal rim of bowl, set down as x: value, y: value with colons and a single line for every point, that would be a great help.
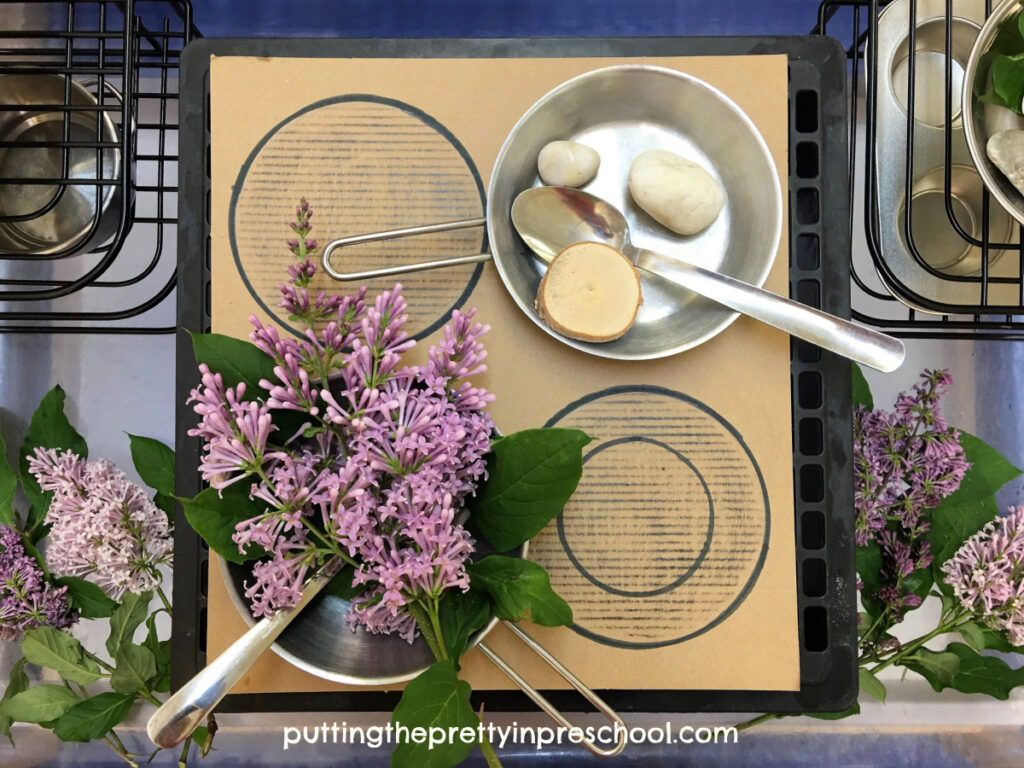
x: 740, y: 115
x: 313, y: 669
x: 1015, y: 207
x: 88, y: 232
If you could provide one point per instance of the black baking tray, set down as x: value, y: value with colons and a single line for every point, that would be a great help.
x: 819, y: 232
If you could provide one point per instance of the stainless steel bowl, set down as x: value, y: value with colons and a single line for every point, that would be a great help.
x: 622, y: 111
x: 982, y: 120
x: 320, y: 641
x: 84, y: 216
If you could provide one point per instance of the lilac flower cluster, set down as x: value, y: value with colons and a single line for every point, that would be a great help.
x: 905, y: 462
x: 104, y: 527
x: 295, y: 297
x: 987, y: 574
x: 380, y: 468
x: 27, y: 598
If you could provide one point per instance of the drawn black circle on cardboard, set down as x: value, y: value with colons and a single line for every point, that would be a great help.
x: 668, y: 530
x: 366, y: 164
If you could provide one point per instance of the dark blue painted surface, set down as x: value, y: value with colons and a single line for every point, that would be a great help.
x: 502, y: 18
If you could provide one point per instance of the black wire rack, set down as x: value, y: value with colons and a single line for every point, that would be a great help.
x: 125, y: 53
x: 883, y: 299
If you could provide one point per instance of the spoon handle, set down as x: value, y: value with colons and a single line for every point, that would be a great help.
x: 843, y: 337
x: 189, y: 706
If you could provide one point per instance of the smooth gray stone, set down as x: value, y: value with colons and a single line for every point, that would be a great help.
x: 1006, y: 150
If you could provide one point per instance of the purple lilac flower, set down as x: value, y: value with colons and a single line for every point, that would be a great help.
x: 987, y: 574
x: 235, y: 430
x: 381, y: 468
x: 295, y: 295
x: 104, y: 527
x: 906, y: 461
x: 27, y: 599
x: 431, y: 562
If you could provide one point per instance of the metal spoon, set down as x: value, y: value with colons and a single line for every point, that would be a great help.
x: 552, y: 218
x: 182, y: 712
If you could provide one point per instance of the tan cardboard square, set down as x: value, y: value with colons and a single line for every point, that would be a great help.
x: 709, y: 603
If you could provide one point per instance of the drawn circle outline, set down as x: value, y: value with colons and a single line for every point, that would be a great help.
x: 758, y: 566
x: 423, y: 117
x: 704, y: 547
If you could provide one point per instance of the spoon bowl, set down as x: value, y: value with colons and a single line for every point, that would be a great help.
x: 551, y: 218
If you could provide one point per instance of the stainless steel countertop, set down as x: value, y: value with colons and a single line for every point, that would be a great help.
x: 117, y: 384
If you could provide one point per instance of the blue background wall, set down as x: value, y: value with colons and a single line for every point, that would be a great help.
x: 499, y: 18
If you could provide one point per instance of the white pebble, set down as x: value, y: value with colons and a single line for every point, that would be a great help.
x: 1006, y: 150
x: 567, y: 164
x: 676, y: 192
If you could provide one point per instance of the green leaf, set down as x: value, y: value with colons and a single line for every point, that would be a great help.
x: 982, y: 638
x: 870, y: 684
x: 919, y: 582
x: 461, y: 614
x: 8, y: 485
x: 92, y: 718
x: 938, y: 668
x: 964, y: 669
x: 39, y: 704
x: 341, y: 585
x: 289, y: 422
x: 237, y: 361
x: 90, y: 601
x: 531, y: 475
x: 49, y: 428
x: 435, y: 699
x: 59, y: 651
x: 214, y: 517
x: 1008, y: 81
x: 869, y: 566
x: 33, y: 551
x: 861, y: 390
x: 973, y: 636
x: 853, y: 709
x: 154, y: 462
x: 166, y: 503
x: 519, y: 586
x: 199, y: 737
x: 132, y: 611
x: 989, y: 471
x: 162, y: 684
x: 134, y: 669
x: 16, y: 683
x: 161, y: 650
x: 952, y: 524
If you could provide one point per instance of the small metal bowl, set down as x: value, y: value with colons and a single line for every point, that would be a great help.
x: 981, y: 121
x: 622, y: 111
x: 31, y: 223
x: 320, y: 641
